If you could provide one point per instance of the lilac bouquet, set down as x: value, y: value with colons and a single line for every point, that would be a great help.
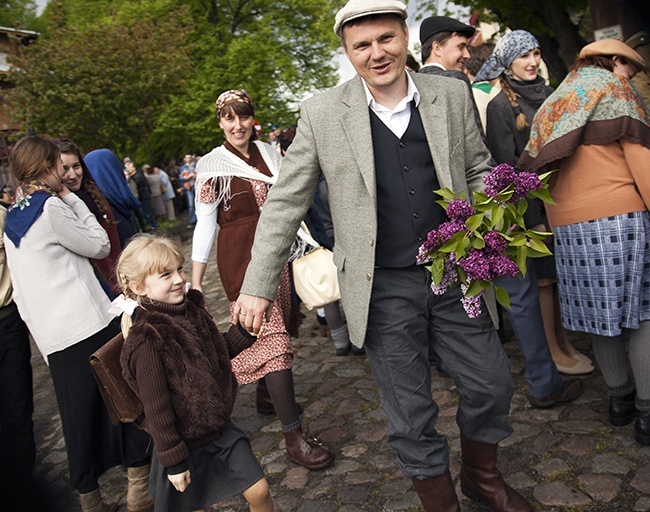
x: 487, y: 239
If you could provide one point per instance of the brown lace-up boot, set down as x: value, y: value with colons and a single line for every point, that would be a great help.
x: 437, y: 493
x: 481, y: 481
x: 307, y: 451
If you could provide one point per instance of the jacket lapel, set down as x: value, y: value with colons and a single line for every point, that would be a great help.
x: 356, y: 125
x: 435, y: 120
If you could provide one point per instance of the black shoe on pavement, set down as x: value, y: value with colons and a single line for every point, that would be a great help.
x: 572, y: 389
x: 356, y: 350
x: 642, y: 428
x: 622, y: 409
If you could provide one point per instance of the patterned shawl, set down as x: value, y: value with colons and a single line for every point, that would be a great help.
x: 592, y: 106
x: 220, y: 166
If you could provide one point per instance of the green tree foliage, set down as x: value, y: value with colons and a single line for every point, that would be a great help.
x: 18, y: 14
x: 103, y: 85
x: 279, y: 51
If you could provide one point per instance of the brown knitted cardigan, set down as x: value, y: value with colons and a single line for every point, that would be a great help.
x: 178, y: 364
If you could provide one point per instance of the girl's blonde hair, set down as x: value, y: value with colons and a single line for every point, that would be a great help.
x: 144, y: 255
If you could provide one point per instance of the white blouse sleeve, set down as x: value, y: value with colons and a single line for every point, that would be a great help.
x: 204, y: 231
x: 76, y: 228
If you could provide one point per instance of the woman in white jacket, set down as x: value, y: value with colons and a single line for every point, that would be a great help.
x: 50, y: 234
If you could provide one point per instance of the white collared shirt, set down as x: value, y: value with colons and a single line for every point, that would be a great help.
x: 398, y: 119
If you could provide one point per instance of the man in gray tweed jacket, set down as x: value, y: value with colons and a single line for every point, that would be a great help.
x: 383, y: 141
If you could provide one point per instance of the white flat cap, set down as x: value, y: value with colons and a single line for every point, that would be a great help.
x: 358, y: 8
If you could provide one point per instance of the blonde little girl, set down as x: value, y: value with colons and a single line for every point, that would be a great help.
x: 178, y: 364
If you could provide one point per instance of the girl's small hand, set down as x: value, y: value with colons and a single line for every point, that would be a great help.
x: 180, y: 481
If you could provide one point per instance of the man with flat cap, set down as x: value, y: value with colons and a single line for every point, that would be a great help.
x: 445, y: 43
x: 383, y: 141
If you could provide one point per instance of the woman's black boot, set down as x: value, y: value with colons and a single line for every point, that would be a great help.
x: 642, y: 428
x: 622, y: 409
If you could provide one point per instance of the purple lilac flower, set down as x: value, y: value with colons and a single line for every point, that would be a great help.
x: 460, y: 209
x: 448, y: 277
x: 500, y: 177
x: 476, y: 265
x: 449, y: 229
x: 501, y: 265
x: 430, y: 244
x: 525, y: 182
x: 472, y: 305
x: 494, y: 242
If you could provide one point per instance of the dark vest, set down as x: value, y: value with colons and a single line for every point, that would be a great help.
x: 406, y: 179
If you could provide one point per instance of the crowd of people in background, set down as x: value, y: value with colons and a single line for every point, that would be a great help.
x: 73, y: 219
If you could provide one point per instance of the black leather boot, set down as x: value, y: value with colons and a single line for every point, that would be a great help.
x: 622, y: 409
x: 642, y: 428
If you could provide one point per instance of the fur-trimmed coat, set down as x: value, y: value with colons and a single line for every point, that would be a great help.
x: 178, y: 364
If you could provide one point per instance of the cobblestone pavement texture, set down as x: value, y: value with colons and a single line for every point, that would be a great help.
x: 567, y: 458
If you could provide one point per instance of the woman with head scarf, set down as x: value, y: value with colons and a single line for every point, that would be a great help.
x: 232, y: 182
x: 595, y: 131
x: 106, y: 169
x: 515, y: 62
x: 78, y: 179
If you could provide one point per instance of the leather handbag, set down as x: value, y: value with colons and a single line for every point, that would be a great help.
x: 315, y: 278
x: 122, y: 403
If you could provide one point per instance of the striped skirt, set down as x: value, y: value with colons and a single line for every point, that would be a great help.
x: 603, y: 273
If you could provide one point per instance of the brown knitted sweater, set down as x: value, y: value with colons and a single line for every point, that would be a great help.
x: 178, y: 364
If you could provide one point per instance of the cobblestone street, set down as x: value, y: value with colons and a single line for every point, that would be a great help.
x: 567, y: 458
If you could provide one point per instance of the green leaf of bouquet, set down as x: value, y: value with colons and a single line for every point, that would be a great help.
x: 538, y: 245
x: 522, y: 206
x: 519, y: 220
x: 478, y: 242
x: 544, y: 177
x: 532, y: 253
x: 506, y: 194
x: 502, y: 296
x: 522, y: 253
x: 437, y: 269
x: 497, y: 213
x: 462, y: 276
x: 445, y: 193
x: 474, y: 288
x: 475, y: 221
x: 543, y: 194
x: 518, y: 240
x: 480, y: 197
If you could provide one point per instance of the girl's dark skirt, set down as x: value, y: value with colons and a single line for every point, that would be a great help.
x: 219, y: 470
x: 603, y: 273
x: 92, y: 442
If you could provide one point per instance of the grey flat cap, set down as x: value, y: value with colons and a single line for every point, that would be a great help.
x: 359, y: 8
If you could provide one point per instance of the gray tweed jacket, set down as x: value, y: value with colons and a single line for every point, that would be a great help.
x: 334, y: 138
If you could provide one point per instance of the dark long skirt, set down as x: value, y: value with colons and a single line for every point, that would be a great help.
x: 93, y: 443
